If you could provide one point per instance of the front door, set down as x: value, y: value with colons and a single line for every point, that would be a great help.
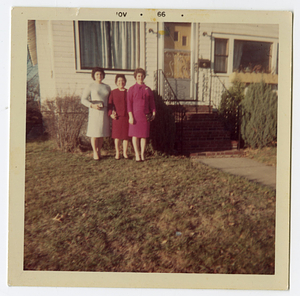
x: 177, y: 58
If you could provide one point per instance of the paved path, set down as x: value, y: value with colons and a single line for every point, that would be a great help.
x: 245, y: 167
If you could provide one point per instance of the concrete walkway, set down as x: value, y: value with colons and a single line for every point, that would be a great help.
x: 248, y: 168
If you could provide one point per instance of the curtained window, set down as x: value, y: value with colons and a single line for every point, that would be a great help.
x: 252, y: 56
x: 221, y: 55
x: 110, y: 45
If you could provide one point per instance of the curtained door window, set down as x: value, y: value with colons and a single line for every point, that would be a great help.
x: 221, y: 55
x: 110, y: 45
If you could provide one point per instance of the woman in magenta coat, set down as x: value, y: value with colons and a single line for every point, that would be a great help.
x: 141, y: 110
x: 117, y: 110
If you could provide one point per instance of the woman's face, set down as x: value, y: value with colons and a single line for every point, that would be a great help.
x: 99, y: 77
x: 140, y: 78
x: 121, y: 83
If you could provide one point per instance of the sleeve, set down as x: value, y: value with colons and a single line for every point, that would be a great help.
x: 130, y: 100
x: 110, y: 103
x: 85, y: 97
x: 151, y: 101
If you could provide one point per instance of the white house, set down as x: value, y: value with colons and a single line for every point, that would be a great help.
x: 195, y: 60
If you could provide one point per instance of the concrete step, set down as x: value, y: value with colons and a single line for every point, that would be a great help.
x: 198, y: 109
x: 209, y: 145
x: 201, y: 117
x: 203, y: 125
x: 207, y: 134
x: 223, y: 153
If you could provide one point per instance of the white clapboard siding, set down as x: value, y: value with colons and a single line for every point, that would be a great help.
x: 151, y: 53
x: 64, y: 58
x: 45, y: 60
x: 263, y: 30
x: 60, y: 60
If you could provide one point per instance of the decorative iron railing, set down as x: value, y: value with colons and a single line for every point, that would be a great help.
x: 165, y: 90
x: 211, y: 88
x: 231, y: 114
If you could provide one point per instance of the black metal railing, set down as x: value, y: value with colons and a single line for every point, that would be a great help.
x: 165, y: 90
x: 232, y: 116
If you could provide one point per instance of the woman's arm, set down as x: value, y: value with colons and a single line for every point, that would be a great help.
x: 130, y: 106
x: 111, y: 107
x: 131, y: 119
x: 85, y: 99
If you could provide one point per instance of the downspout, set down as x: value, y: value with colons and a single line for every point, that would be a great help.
x: 52, y: 74
x: 197, y: 62
x: 211, y: 37
x: 157, y: 62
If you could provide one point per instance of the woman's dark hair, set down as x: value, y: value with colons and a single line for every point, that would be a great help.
x: 139, y: 70
x: 120, y: 76
x: 97, y: 69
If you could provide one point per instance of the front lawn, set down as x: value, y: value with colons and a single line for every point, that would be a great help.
x: 266, y: 155
x: 163, y: 215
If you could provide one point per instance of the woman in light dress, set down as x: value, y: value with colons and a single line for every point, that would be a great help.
x: 95, y: 97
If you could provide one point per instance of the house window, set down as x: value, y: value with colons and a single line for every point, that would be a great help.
x: 184, y: 38
x: 176, y: 36
x: 221, y: 55
x: 110, y: 45
x: 252, y: 56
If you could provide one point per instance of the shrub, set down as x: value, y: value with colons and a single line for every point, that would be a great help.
x: 33, y: 116
x: 63, y: 118
x: 162, y: 132
x: 228, y: 109
x: 259, y: 116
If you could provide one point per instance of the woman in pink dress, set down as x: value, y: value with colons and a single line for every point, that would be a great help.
x: 141, y: 110
x: 117, y: 110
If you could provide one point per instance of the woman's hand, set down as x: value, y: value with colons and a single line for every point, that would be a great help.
x: 152, y: 117
x: 114, y: 115
x: 131, y: 120
x: 96, y: 106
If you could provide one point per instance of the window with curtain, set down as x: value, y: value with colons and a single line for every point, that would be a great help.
x: 221, y: 55
x: 110, y: 45
x: 252, y: 56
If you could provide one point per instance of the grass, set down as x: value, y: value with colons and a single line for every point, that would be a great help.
x: 163, y: 215
x: 266, y: 155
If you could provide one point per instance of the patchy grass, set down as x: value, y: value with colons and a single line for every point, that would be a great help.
x: 265, y: 155
x: 163, y: 215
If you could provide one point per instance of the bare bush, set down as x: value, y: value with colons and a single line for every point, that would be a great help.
x: 64, y: 117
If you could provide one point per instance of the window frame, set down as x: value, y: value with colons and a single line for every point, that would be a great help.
x: 142, y: 49
x: 226, y: 55
x: 232, y: 37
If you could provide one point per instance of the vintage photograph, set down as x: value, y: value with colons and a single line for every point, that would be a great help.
x: 155, y: 201
x: 151, y: 146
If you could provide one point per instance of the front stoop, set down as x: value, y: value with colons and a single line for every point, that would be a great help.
x: 204, y: 135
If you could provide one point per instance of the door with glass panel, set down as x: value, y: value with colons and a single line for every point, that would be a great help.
x: 177, y: 58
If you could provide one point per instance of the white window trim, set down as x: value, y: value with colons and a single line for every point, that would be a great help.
x: 231, y: 38
x: 111, y: 71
